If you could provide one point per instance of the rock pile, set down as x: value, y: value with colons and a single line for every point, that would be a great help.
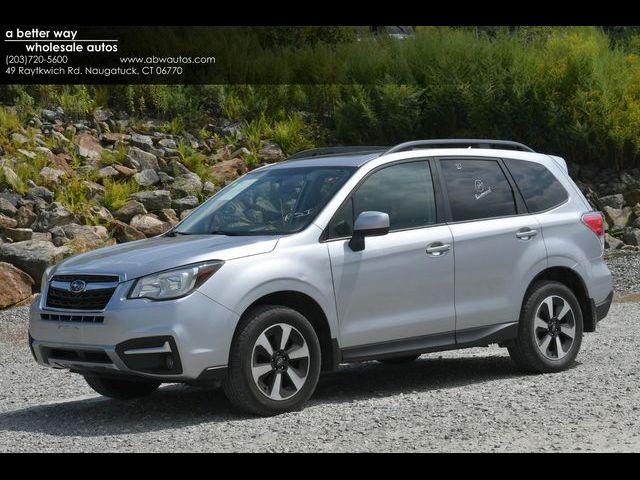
x: 40, y: 226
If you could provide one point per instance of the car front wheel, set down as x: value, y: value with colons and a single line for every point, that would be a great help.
x: 274, y: 363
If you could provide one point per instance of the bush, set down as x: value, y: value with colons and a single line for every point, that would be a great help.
x: 116, y: 194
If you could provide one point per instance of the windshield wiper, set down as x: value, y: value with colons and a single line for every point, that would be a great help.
x: 175, y: 233
x: 229, y: 234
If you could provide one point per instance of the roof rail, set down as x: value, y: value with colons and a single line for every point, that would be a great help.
x: 459, y: 142
x: 316, y: 152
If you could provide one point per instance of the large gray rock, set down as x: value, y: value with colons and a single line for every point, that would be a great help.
x: 101, y: 213
x: 108, y: 172
x: 141, y: 160
x: 25, y: 216
x: 32, y: 256
x: 270, y: 153
x: 153, y: 201
x: 613, y: 201
x: 228, y: 170
x: 18, y: 234
x: 185, y: 203
x: 40, y: 193
x: 12, y: 197
x: 146, y: 178
x: 123, y: 232
x: 56, y: 214
x: 632, y: 197
x: 612, y: 243
x: 141, y: 141
x: 16, y: 285
x: 187, y: 185
x: 52, y: 175
x: 88, y: 147
x: 7, y: 208
x: 129, y: 210
x: 79, y: 237
x: 168, y: 143
x: 11, y: 178
x: 632, y: 236
x: 617, y: 217
x: 7, y: 222
x: 149, y: 224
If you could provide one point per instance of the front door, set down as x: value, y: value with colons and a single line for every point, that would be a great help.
x: 399, y: 289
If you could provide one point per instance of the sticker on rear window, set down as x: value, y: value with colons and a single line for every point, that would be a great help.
x: 481, y: 189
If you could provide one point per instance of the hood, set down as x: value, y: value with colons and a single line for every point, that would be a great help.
x: 143, y: 257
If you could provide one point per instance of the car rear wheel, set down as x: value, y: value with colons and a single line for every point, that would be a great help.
x: 550, y: 329
x: 274, y: 363
x: 121, y: 389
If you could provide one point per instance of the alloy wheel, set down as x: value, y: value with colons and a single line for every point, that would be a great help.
x: 554, y: 327
x: 280, y: 362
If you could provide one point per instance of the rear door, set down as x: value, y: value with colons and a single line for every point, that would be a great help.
x: 498, y: 245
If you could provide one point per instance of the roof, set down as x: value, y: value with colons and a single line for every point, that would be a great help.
x: 358, y: 156
x: 349, y: 160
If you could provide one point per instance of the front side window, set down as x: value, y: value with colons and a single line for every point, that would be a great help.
x: 403, y: 191
x: 477, y: 189
x: 539, y: 187
x: 268, y: 202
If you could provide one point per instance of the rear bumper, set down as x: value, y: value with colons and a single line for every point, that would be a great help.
x: 601, y: 310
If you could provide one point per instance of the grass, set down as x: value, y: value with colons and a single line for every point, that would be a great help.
x: 115, y: 155
x: 29, y: 169
x: 117, y: 193
x: 195, y: 161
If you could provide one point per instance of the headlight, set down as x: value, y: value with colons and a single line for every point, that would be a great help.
x: 174, y: 283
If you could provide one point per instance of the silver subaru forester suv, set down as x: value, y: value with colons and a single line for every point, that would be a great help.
x: 337, y: 255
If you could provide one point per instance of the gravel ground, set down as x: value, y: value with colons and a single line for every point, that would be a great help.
x: 626, y: 273
x: 468, y: 400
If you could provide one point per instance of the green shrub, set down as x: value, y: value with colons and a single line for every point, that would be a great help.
x: 117, y: 193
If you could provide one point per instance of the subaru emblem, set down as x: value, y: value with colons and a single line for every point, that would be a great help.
x: 78, y: 286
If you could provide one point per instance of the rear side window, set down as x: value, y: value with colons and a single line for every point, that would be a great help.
x: 539, y: 187
x: 477, y: 189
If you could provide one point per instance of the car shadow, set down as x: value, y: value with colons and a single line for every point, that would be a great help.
x: 176, y: 406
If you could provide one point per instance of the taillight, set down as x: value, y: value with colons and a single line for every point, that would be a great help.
x: 594, y: 221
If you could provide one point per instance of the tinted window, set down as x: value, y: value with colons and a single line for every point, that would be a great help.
x: 404, y: 191
x: 477, y: 189
x: 539, y: 187
x: 269, y: 201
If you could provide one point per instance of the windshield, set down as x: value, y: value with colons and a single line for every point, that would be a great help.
x: 267, y: 202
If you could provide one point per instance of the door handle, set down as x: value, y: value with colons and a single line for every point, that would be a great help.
x: 437, y: 249
x: 526, y: 233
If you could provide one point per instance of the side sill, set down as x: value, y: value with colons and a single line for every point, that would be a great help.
x: 472, y: 337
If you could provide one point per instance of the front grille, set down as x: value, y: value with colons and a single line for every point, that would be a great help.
x: 54, y: 317
x: 87, y: 278
x: 98, y: 292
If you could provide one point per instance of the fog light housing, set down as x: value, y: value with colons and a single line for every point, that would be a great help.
x: 158, y: 355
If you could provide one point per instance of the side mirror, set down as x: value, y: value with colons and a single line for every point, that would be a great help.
x: 368, y: 224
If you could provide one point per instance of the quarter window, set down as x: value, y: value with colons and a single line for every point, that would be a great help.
x: 539, y: 187
x: 477, y: 189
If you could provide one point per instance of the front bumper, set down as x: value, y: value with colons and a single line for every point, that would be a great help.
x: 171, y: 341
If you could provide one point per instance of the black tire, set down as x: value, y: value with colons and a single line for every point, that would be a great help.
x: 399, y: 360
x: 121, y: 389
x: 241, y: 388
x: 525, y: 351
